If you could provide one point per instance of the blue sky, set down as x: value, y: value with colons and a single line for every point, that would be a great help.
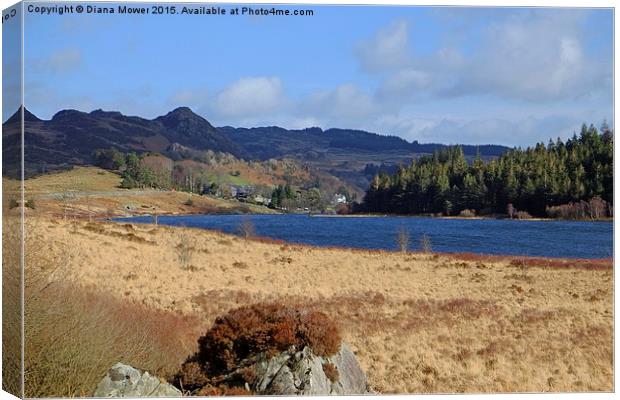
x: 452, y: 75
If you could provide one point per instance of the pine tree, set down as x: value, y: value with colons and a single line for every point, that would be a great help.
x: 532, y: 179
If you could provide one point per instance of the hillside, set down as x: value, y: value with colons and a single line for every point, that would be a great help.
x: 70, y: 137
x: 572, y: 179
x: 315, y: 143
x: 91, y: 192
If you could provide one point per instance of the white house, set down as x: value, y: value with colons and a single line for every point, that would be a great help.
x: 340, y: 199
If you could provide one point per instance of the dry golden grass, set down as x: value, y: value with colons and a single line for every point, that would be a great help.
x: 83, y: 179
x: 74, y: 334
x: 11, y: 306
x: 419, y: 323
x: 91, y: 192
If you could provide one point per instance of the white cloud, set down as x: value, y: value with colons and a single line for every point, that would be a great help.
x: 536, y: 57
x: 345, y: 104
x: 387, y: 49
x: 532, y: 57
x: 406, y: 84
x: 520, y: 132
x: 250, y: 97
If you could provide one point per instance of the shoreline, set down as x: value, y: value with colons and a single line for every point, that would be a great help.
x: 278, y: 212
x: 456, y: 217
x: 602, y: 263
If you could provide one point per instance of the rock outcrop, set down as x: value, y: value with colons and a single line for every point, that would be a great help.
x: 305, y: 373
x: 125, y: 381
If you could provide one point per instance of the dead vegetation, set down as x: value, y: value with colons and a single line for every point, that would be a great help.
x: 402, y: 239
x: 331, y: 372
x: 185, y: 248
x: 418, y: 323
x: 425, y: 244
x: 248, y: 331
x: 265, y: 328
x: 246, y: 229
x: 73, y: 335
x: 11, y: 305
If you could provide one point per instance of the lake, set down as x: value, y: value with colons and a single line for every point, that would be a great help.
x: 571, y: 239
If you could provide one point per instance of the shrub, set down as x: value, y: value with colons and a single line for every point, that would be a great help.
x: 13, y: 203
x: 193, y: 376
x: 466, y: 213
x: 240, y: 265
x: 596, y: 208
x: 30, y: 204
x: 189, y: 202
x: 264, y: 328
x: 343, y: 209
x: 522, y: 215
x: 223, y: 390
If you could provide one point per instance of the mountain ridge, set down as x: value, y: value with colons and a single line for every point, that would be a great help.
x: 187, y: 113
x: 71, y: 136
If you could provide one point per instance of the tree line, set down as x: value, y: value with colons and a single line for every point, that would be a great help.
x: 152, y: 170
x: 562, y: 179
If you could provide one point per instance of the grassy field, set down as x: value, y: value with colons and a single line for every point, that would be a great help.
x: 82, y: 179
x: 91, y: 192
x: 419, y: 323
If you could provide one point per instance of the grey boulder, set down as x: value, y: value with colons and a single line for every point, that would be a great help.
x: 125, y: 381
x: 302, y: 373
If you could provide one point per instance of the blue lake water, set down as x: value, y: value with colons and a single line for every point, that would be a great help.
x: 573, y: 239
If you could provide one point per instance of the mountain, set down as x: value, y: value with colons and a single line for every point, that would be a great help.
x: 275, y: 142
x: 16, y: 118
x: 345, y: 153
x: 71, y: 136
x: 188, y: 129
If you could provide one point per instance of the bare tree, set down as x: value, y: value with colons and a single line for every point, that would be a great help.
x: 246, y: 229
x: 402, y: 239
x: 185, y: 248
x: 510, y: 210
x: 425, y: 244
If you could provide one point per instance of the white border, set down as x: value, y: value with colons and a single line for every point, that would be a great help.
x: 479, y: 3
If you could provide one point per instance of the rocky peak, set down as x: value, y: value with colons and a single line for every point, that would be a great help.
x: 17, y: 117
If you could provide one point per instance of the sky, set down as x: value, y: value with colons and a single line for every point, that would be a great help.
x: 512, y: 76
